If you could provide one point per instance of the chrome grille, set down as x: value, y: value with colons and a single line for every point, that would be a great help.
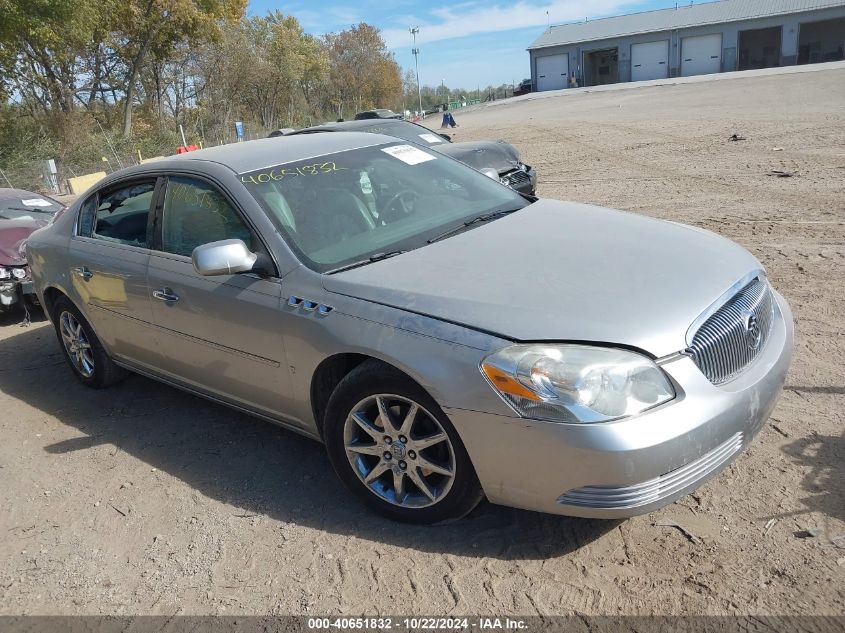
x: 657, y: 489
x: 516, y: 179
x: 732, y: 337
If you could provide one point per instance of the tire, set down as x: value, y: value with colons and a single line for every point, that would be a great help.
x: 103, y: 371
x: 437, y: 481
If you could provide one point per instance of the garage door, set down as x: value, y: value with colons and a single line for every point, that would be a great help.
x: 701, y: 55
x: 650, y: 61
x: 552, y: 71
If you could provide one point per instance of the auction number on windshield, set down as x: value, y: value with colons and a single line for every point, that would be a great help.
x: 316, y: 169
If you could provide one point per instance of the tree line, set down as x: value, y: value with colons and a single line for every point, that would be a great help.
x: 89, y: 82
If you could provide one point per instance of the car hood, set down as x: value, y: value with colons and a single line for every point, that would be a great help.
x: 558, y: 271
x: 13, y: 233
x: 499, y: 155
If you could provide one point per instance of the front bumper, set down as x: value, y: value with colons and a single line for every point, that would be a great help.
x: 13, y: 291
x: 633, y: 466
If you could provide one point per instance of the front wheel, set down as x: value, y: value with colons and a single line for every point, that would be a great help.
x: 396, y: 450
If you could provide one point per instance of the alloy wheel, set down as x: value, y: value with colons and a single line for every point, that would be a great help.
x: 76, y: 344
x: 399, y: 451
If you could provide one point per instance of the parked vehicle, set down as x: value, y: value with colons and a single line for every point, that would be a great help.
x: 525, y: 86
x: 495, y: 158
x: 444, y: 336
x: 21, y: 213
x: 377, y: 114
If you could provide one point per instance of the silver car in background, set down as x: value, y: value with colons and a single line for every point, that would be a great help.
x: 445, y: 337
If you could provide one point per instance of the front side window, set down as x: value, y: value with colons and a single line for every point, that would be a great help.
x: 196, y: 213
x: 122, y: 214
x: 341, y: 208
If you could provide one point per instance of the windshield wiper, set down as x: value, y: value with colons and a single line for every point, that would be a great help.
x: 29, y: 210
x: 376, y: 257
x: 486, y: 217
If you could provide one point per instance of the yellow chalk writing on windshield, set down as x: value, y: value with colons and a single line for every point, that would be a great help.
x: 280, y: 174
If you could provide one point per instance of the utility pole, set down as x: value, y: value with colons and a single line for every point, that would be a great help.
x: 414, y: 30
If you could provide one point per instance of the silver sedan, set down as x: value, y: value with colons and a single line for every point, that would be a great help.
x: 445, y: 337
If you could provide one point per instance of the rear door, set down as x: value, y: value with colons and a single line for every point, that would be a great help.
x: 108, y: 259
x: 222, y: 334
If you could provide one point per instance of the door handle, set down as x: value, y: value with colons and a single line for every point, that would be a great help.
x: 82, y: 271
x: 165, y: 294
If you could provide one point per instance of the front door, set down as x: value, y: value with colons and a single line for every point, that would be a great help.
x: 221, y: 334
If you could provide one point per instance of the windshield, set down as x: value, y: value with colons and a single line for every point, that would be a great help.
x: 28, y: 207
x: 342, y: 208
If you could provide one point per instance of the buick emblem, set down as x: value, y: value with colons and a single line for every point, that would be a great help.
x: 753, y: 334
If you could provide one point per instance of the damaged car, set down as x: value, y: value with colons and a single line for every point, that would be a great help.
x: 496, y: 159
x: 446, y: 338
x: 21, y: 213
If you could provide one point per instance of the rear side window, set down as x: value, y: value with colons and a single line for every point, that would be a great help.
x: 195, y: 213
x: 122, y: 214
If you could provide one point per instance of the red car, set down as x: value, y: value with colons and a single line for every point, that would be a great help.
x: 21, y: 213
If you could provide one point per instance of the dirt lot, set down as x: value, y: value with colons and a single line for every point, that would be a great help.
x: 142, y: 499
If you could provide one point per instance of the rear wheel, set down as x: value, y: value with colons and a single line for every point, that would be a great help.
x: 396, y: 450
x: 82, y: 349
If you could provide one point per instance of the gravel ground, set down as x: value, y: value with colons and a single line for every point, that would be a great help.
x: 142, y: 499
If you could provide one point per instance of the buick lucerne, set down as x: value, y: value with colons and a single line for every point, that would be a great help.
x: 445, y: 337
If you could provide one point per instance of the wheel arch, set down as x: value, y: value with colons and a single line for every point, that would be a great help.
x: 332, y: 370
x: 51, y: 295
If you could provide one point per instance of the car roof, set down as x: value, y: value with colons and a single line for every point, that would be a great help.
x: 267, y: 152
x: 352, y: 125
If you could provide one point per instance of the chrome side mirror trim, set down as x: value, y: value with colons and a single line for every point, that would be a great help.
x: 226, y: 257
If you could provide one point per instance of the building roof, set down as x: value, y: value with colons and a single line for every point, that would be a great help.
x: 675, y: 18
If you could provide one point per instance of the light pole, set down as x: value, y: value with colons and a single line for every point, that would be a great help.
x: 414, y: 30
x: 443, y: 86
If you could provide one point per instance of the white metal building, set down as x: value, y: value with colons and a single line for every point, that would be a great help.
x: 689, y: 40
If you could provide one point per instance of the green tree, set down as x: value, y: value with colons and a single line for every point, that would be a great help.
x: 145, y: 28
x: 42, y: 47
x: 362, y: 72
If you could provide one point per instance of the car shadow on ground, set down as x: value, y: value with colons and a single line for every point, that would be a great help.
x: 251, y: 464
x: 824, y: 457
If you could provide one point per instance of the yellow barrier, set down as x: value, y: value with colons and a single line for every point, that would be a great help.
x: 82, y: 183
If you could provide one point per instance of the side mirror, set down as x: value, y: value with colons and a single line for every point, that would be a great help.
x: 446, y: 136
x: 227, y: 257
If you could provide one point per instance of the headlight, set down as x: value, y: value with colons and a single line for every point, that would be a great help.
x: 18, y: 273
x: 5, y: 273
x: 576, y: 383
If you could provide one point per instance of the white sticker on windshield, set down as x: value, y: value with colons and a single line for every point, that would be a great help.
x: 408, y: 154
x: 37, y: 202
x: 431, y: 138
